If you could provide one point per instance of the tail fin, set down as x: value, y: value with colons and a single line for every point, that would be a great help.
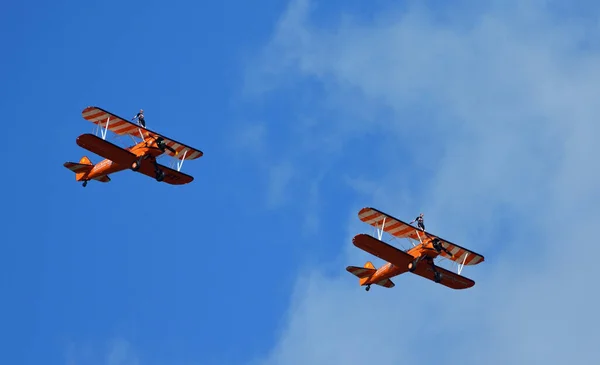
x: 363, y: 273
x: 80, y: 169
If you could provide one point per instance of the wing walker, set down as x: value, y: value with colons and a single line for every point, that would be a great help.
x: 141, y: 157
x: 418, y: 260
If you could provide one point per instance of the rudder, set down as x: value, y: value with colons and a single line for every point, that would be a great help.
x: 372, y: 270
x: 85, y: 161
x: 362, y: 273
x: 80, y: 169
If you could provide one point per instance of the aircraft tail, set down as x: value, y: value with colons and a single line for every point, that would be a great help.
x: 80, y: 169
x: 364, y: 274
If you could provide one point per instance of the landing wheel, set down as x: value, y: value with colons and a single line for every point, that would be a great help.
x: 160, y: 175
x: 136, y: 164
x: 437, y: 277
x: 368, y: 287
x: 84, y: 183
x: 412, y: 266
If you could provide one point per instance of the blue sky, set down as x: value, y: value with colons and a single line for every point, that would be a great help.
x: 306, y: 112
x: 181, y: 272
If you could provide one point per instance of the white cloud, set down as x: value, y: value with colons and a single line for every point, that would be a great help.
x: 501, y: 118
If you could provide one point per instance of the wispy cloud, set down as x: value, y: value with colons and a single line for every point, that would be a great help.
x: 280, y: 176
x: 250, y: 138
x: 117, y: 352
x: 121, y: 353
x: 487, y: 124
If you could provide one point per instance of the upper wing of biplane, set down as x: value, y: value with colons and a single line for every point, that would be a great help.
x: 401, y: 229
x: 123, y: 157
x: 401, y: 259
x: 121, y: 126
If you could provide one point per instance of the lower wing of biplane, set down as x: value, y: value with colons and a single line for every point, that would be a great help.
x: 400, y: 261
x: 397, y: 228
x: 127, y: 160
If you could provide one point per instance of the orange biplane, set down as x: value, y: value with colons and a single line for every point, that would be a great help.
x: 419, y: 259
x: 140, y: 157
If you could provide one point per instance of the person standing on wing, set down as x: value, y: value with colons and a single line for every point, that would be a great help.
x: 419, y: 221
x: 140, y: 117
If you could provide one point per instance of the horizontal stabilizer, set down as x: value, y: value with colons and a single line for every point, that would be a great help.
x: 360, y: 272
x: 103, y: 179
x: 386, y: 283
x: 78, y: 167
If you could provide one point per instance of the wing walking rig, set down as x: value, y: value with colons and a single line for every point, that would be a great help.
x: 140, y: 157
x: 418, y: 260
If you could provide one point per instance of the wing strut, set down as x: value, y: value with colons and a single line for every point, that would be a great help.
x: 461, y: 266
x: 104, y: 130
x: 380, y: 231
x: 180, y: 163
x: 418, y: 235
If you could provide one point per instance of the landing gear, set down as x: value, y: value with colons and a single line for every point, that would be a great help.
x: 368, y: 287
x: 84, y: 183
x: 412, y: 266
x: 160, y: 174
x: 136, y: 164
x: 437, y: 277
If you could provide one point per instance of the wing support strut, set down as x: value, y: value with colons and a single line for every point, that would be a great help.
x: 461, y: 266
x: 380, y: 231
x: 104, y: 129
x: 180, y: 163
x: 418, y: 235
